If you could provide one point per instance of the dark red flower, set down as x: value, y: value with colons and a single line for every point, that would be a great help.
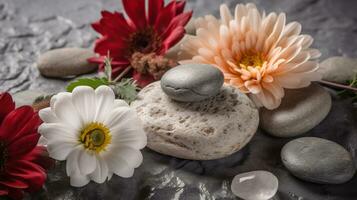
x: 22, y: 162
x: 152, y: 30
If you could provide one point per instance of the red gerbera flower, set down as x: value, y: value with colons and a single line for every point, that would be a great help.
x: 22, y: 162
x: 146, y: 31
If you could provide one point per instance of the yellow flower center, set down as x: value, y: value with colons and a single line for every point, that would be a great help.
x: 95, y: 137
x: 251, y: 59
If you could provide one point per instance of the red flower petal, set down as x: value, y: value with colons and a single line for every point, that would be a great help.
x: 14, y: 122
x: 13, y: 182
x: 98, y: 27
x: 142, y: 79
x: 174, y: 38
x: 165, y: 16
x: 32, y: 174
x: 180, y: 20
x: 23, y: 145
x: 3, y: 190
x: 39, y: 155
x: 7, y: 105
x: 135, y: 9
x: 105, y: 45
x: 122, y: 23
x: 180, y: 6
x: 115, y: 25
x: 99, y: 60
x: 29, y: 128
x: 154, y: 8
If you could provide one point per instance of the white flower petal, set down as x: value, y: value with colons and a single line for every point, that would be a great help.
x: 110, y: 175
x: 83, y: 99
x: 133, y: 157
x: 60, y: 150
x: 120, y: 167
x: 87, y: 162
x: 118, y: 115
x: 100, y: 174
x: 42, y: 141
x: 120, y: 103
x: 47, y: 115
x: 53, y: 101
x: 65, y: 111
x: 79, y: 180
x: 104, y: 100
x: 58, y: 132
x: 134, y: 138
x: 72, y: 162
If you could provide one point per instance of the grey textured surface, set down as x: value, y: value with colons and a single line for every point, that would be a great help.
x: 31, y: 27
x: 318, y: 160
x: 192, y: 82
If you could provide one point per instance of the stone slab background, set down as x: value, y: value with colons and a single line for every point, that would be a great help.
x: 31, y: 27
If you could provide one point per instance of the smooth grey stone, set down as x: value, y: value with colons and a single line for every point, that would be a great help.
x: 300, y: 111
x: 210, y: 129
x: 66, y: 62
x: 338, y: 69
x: 192, y: 82
x: 190, y: 27
x: 318, y: 160
x: 255, y: 185
x: 26, y: 97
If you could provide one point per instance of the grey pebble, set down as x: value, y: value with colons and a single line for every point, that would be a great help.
x: 300, y: 111
x: 338, y: 69
x: 318, y: 160
x: 255, y: 185
x: 210, y: 129
x: 66, y: 62
x: 192, y: 82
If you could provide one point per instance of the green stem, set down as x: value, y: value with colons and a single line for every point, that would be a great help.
x: 338, y: 85
x: 121, y: 75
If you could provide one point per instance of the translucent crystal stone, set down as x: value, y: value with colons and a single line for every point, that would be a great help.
x: 255, y: 185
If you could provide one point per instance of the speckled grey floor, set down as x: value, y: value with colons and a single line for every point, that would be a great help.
x: 30, y: 27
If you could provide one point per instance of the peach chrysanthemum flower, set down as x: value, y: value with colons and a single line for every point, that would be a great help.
x: 258, y: 53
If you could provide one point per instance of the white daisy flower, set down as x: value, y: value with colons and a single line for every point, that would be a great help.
x: 95, y: 133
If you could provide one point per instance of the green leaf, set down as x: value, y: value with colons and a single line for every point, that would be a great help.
x: 127, y: 90
x: 349, y: 93
x: 91, y: 82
